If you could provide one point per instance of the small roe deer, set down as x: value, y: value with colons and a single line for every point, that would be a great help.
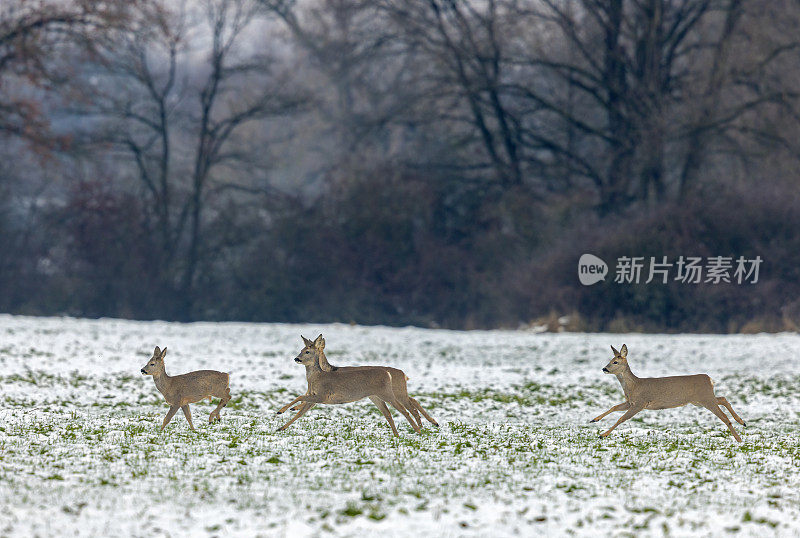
x: 182, y: 390
x: 663, y: 393
x: 336, y: 385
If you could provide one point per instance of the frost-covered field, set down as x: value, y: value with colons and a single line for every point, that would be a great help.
x: 81, y: 451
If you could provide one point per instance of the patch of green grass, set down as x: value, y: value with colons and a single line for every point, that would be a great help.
x: 534, y: 394
x: 537, y: 459
x: 352, y: 510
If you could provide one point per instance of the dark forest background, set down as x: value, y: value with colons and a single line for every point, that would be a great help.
x: 429, y: 162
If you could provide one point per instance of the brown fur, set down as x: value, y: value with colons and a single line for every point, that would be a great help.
x: 664, y: 393
x: 399, y: 379
x: 334, y: 385
x: 181, y: 390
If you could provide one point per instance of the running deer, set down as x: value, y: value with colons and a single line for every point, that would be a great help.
x: 182, y: 390
x: 664, y: 393
x: 399, y: 379
x: 337, y: 385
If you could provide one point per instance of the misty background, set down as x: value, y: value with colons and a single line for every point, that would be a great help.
x: 428, y: 162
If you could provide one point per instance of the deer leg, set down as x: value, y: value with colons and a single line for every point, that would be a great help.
x: 400, y: 407
x: 303, y: 408
x: 628, y: 414
x: 380, y: 404
x: 413, y: 410
x: 714, y: 408
x: 224, y: 399
x: 621, y: 407
x: 170, y: 414
x: 290, y: 404
x: 309, y: 401
x: 298, y: 406
x: 188, y: 415
x: 406, y: 401
x: 313, y: 398
x: 424, y: 413
x: 722, y: 400
x: 215, y: 412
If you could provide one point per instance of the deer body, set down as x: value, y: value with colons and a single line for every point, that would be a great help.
x: 664, y: 393
x: 181, y: 390
x: 399, y: 388
x: 337, y: 385
x: 192, y: 387
x: 343, y: 386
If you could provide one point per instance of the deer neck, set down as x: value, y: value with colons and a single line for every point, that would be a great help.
x: 627, y: 379
x: 312, y: 371
x: 323, y: 361
x: 162, y: 380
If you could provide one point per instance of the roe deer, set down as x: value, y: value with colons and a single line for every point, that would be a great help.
x: 181, y: 390
x: 664, y: 393
x: 399, y: 379
x: 331, y: 385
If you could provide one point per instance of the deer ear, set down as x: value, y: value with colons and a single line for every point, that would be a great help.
x: 157, y: 351
x: 615, y: 351
x: 319, y: 343
x: 323, y: 363
x: 306, y: 341
x: 624, y: 351
x: 164, y: 352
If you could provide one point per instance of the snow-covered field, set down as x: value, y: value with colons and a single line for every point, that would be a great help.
x: 81, y: 451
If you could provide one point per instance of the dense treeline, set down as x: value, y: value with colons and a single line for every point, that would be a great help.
x: 431, y: 162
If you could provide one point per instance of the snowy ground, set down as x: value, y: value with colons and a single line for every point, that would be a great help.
x: 81, y: 451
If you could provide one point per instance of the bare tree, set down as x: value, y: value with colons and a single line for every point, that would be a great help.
x: 365, y: 84
x: 32, y: 36
x: 465, y: 45
x: 178, y: 100
x: 742, y: 107
x: 642, y: 66
x: 588, y: 95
